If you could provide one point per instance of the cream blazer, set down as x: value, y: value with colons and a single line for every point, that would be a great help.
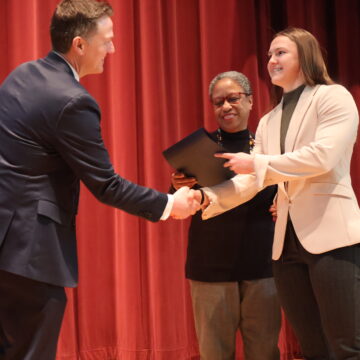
x: 313, y: 175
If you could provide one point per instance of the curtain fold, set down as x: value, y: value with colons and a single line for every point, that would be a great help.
x: 133, y: 301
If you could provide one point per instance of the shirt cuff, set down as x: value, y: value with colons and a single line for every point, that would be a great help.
x: 168, y: 207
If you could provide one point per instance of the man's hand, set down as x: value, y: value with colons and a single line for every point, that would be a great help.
x: 240, y: 163
x: 185, y: 203
x: 178, y: 180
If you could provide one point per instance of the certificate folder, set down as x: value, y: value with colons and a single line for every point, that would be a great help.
x: 194, y: 156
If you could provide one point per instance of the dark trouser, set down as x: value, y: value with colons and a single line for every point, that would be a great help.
x: 320, y: 294
x: 31, y: 313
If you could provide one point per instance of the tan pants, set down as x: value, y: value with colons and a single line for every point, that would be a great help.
x: 220, y: 309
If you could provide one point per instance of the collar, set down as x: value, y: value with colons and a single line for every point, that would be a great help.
x: 75, y: 73
x: 293, y: 96
x: 242, y: 134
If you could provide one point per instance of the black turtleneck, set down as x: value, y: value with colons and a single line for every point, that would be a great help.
x: 233, y: 140
x: 236, y: 245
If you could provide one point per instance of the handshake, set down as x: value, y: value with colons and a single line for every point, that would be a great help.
x: 187, y: 202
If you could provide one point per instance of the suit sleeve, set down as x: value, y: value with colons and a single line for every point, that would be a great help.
x: 78, y: 139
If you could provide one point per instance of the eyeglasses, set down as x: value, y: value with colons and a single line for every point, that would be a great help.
x: 233, y: 98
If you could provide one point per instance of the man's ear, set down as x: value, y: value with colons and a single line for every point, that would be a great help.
x: 78, y: 44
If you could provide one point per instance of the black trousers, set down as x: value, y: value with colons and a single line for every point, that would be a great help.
x: 320, y: 294
x: 31, y: 314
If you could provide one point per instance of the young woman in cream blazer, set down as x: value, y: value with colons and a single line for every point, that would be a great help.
x: 305, y: 146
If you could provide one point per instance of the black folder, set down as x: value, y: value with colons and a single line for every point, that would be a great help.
x: 194, y: 156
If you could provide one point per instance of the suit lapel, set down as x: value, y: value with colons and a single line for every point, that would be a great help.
x: 298, y: 117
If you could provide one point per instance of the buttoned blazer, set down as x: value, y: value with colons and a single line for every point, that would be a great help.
x: 50, y: 138
x: 313, y: 174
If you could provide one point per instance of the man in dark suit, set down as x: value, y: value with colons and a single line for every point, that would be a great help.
x: 49, y: 140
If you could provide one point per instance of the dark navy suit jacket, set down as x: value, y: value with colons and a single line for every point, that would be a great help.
x: 50, y: 139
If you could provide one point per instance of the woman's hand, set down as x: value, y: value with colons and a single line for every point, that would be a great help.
x: 178, y: 180
x: 240, y: 163
x: 273, y: 211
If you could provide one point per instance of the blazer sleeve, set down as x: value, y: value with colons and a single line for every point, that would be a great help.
x: 238, y: 190
x: 337, y: 118
x: 77, y: 137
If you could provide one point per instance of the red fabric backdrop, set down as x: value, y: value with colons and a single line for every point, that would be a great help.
x: 133, y: 301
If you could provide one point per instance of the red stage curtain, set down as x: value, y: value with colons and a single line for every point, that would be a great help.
x: 133, y: 300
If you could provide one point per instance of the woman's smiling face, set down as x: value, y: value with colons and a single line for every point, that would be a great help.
x: 284, y: 66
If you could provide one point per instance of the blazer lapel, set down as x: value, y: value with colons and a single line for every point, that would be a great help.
x: 273, y: 140
x: 298, y: 116
x: 273, y: 128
